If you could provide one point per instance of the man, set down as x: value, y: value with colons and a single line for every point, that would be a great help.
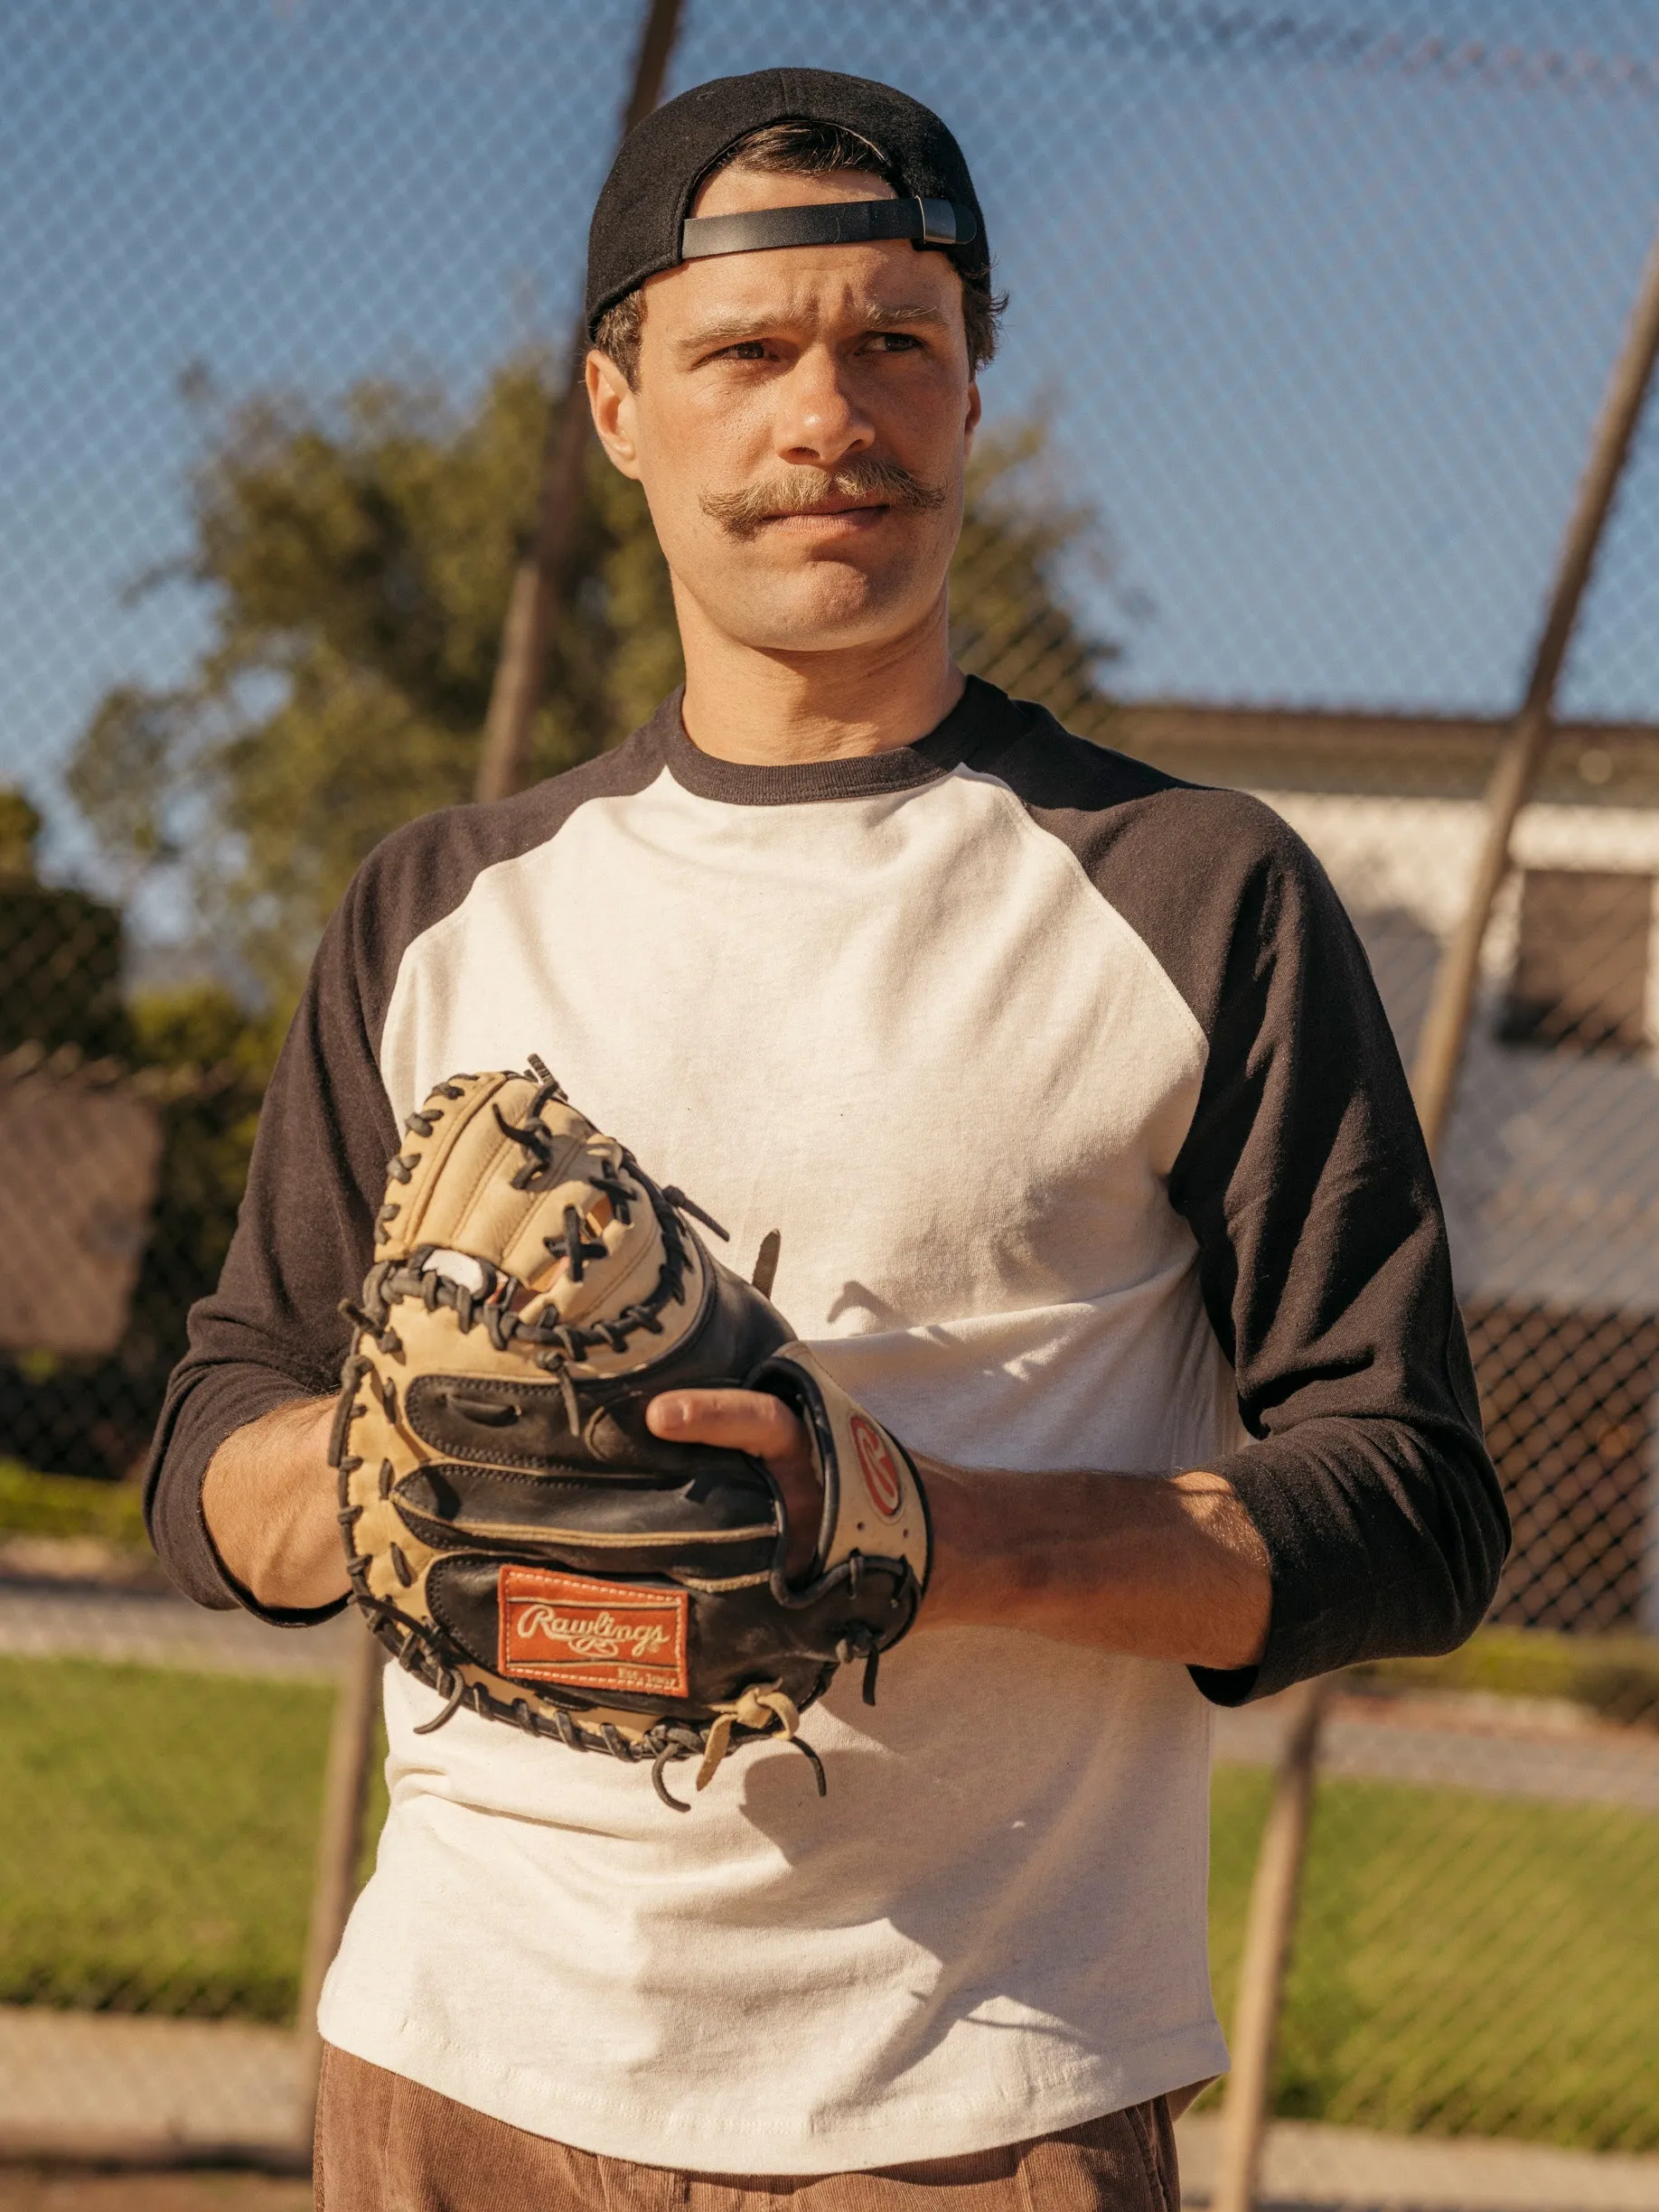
x: 1098, y: 1182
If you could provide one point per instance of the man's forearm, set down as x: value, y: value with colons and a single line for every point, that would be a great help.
x: 269, y: 1503
x: 1162, y: 1567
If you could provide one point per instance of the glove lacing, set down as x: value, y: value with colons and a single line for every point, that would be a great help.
x: 758, y: 1707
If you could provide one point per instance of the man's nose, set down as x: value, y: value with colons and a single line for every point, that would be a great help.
x: 819, y: 418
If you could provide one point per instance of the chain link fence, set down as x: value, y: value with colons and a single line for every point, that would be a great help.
x: 1311, y: 312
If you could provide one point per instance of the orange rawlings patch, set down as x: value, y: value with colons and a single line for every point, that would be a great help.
x: 593, y: 1636
x: 878, y: 1467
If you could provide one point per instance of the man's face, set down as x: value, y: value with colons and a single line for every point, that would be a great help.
x: 800, y: 426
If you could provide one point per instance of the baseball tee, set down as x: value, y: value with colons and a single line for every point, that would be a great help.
x: 1068, y: 1088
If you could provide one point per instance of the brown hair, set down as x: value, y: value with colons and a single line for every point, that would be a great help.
x: 803, y: 149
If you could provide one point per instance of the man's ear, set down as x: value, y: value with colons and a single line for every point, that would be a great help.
x: 976, y: 408
x: 610, y: 400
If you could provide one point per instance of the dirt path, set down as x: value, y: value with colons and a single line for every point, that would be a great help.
x: 36, y: 2190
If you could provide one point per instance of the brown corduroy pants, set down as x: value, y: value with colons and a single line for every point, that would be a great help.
x: 385, y: 2144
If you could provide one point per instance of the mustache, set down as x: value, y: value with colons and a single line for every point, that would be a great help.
x: 803, y: 490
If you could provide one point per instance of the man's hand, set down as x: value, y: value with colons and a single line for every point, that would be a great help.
x: 755, y: 1422
x: 1162, y: 1568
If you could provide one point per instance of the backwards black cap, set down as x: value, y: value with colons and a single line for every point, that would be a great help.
x: 643, y: 222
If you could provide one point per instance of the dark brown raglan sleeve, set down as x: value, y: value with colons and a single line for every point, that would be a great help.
x: 1321, y: 1245
x: 272, y: 1331
x: 1325, y: 1269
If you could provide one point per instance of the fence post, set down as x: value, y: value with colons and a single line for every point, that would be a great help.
x: 1440, y: 1052
x: 1269, y: 1931
x: 1275, y: 1893
x: 542, y: 576
x: 339, y: 1845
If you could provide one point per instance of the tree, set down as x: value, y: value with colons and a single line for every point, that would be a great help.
x: 1011, y: 620
x: 358, y: 557
x: 59, y: 951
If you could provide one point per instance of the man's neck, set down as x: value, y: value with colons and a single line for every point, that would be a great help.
x: 771, y: 709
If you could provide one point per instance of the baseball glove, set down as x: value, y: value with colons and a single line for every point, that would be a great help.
x: 514, y: 1532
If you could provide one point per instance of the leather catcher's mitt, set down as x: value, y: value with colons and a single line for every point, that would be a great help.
x: 514, y: 1532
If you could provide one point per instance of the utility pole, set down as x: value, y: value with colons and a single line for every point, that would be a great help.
x: 541, y: 581
x: 1439, y: 1051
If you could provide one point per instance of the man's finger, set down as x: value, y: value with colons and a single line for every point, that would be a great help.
x: 741, y: 1420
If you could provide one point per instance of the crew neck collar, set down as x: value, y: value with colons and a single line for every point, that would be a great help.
x: 799, y: 783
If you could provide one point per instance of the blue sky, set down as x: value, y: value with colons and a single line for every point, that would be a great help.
x: 1319, y: 325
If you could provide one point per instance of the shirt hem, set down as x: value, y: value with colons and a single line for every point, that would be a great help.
x: 897, y: 2131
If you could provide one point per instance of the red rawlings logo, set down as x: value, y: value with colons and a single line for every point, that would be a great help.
x: 592, y: 1635
x: 879, y: 1467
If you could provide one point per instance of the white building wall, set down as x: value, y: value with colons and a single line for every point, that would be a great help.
x: 1551, y: 1167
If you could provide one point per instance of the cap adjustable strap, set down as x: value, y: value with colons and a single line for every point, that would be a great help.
x: 829, y: 223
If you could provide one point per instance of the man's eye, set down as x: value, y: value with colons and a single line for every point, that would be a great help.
x: 895, y: 341
x: 746, y: 348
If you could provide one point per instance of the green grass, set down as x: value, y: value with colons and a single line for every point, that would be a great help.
x: 156, y: 1833
x: 1466, y: 1964
x: 1617, y: 1677
x: 33, y: 1505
